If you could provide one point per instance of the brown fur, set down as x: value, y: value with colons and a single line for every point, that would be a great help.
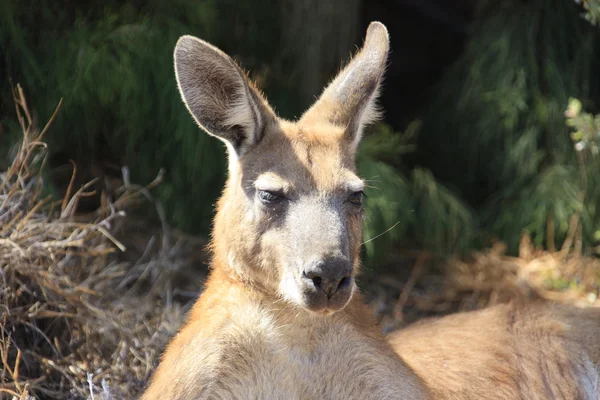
x: 264, y: 328
x: 512, y: 351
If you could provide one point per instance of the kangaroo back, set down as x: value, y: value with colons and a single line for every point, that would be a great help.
x: 515, y: 351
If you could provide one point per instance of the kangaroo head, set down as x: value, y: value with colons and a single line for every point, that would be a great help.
x: 290, y: 219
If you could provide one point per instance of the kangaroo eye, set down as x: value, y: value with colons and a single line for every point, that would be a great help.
x: 269, y: 197
x: 356, y: 198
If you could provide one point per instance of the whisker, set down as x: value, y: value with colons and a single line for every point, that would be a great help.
x: 381, y: 234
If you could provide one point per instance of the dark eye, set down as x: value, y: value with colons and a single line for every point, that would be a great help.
x: 356, y: 198
x: 269, y: 197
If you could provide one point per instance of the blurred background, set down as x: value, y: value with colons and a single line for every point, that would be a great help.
x: 474, y: 145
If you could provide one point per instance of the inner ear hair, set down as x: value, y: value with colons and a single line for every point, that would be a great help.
x: 219, y: 95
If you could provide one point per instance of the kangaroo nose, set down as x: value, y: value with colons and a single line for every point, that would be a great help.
x: 329, y: 275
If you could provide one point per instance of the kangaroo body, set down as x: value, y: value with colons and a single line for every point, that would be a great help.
x: 281, y: 316
x: 531, y: 351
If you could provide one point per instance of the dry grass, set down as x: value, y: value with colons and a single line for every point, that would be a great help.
x: 437, y: 287
x: 78, y: 321
x: 565, y: 276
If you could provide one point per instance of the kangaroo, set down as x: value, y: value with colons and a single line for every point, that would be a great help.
x: 281, y: 316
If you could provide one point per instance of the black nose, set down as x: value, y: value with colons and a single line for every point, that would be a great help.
x: 329, y: 275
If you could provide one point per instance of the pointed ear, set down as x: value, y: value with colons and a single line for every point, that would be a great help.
x: 350, y: 100
x: 218, y: 94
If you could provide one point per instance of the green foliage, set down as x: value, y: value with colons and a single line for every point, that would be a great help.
x: 553, y: 194
x: 444, y: 222
x: 497, y: 126
x: 388, y: 205
x: 592, y: 8
x: 586, y: 138
x: 113, y: 68
x: 408, y: 207
x: 586, y: 126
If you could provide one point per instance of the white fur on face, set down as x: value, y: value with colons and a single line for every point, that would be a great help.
x: 289, y: 288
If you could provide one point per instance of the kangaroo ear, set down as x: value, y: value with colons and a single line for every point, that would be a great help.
x: 350, y: 99
x: 218, y: 94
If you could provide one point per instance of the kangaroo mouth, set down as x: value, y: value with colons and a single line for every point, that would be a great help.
x: 323, y: 302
